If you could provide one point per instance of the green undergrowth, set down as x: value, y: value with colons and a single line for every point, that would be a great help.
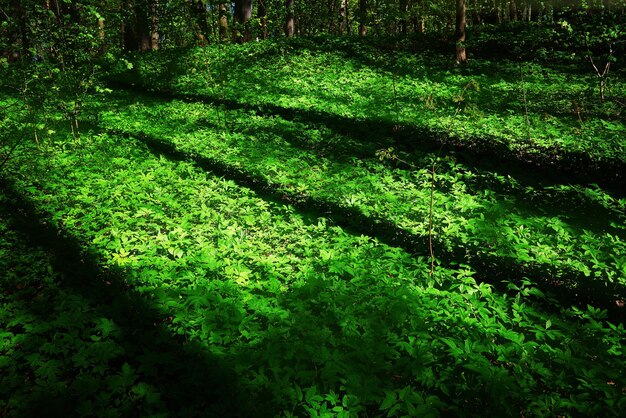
x: 570, y: 236
x: 73, y: 341
x: 550, y: 114
x: 307, y: 318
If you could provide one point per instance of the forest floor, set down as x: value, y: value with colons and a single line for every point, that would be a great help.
x: 255, y: 237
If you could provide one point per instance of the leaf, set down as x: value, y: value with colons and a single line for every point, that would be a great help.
x: 389, y: 400
x: 310, y: 394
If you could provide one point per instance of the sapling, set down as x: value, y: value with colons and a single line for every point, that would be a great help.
x: 602, y: 74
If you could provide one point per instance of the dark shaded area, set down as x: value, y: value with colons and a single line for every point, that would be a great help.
x: 566, y: 286
x: 190, y: 381
x: 313, y: 344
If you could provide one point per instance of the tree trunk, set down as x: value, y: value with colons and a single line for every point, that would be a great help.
x: 362, y: 17
x: 513, y: 10
x: 262, y: 15
x: 342, y: 16
x: 290, y: 20
x: 243, y: 14
x: 498, y: 10
x: 154, y: 33
x: 348, y: 27
x: 102, y: 48
x: 144, y: 42
x: 420, y: 25
x: 459, y: 37
x: 143, y: 27
x: 331, y: 13
x: 23, y: 29
x: 198, y: 12
x: 223, y: 21
x: 402, y: 22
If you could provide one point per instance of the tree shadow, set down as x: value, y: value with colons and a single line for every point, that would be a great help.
x: 534, y: 193
x: 554, y: 166
x: 344, y: 333
x: 350, y: 332
x: 566, y: 285
x: 338, y: 334
x: 87, y: 342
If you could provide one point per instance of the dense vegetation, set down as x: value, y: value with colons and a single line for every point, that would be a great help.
x: 342, y: 218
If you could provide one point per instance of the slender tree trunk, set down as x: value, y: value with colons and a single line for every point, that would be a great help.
x: 498, y: 12
x: 144, y: 31
x: 198, y: 12
x: 129, y: 25
x: 513, y: 9
x: 459, y: 37
x: 243, y: 14
x: 342, y: 16
x: 223, y: 21
x: 331, y: 14
x: 402, y: 23
x: 290, y: 20
x: 262, y: 15
x: 140, y: 29
x: 348, y: 26
x: 362, y: 17
x: 101, y: 32
x: 102, y: 48
x: 154, y: 33
x: 23, y: 29
x: 122, y: 35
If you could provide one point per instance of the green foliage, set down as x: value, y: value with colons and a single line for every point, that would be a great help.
x: 485, y: 213
x: 311, y: 319
x: 353, y: 79
x: 260, y: 248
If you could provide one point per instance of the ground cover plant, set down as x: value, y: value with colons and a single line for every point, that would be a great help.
x: 420, y: 220
x: 545, y: 113
x: 307, y: 316
x: 482, y: 212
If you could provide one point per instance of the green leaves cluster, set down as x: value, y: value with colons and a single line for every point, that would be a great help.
x: 313, y: 320
x: 357, y: 81
x: 485, y: 213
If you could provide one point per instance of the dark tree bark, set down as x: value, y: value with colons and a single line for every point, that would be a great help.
x: 290, y: 19
x: 459, y: 36
x: 362, y: 17
x: 342, y: 16
x: 198, y: 12
x: 513, y: 10
x: 22, y: 20
x: 127, y: 29
x: 137, y: 26
x: 262, y: 15
x: 243, y: 14
x: 331, y: 14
